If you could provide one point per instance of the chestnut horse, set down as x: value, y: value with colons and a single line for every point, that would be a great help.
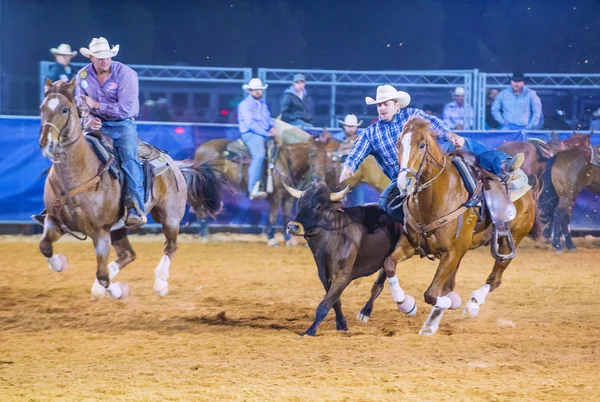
x: 297, y: 163
x: 435, y: 190
x: 80, y: 196
x: 568, y: 173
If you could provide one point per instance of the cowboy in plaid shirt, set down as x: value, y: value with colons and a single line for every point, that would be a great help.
x: 380, y: 139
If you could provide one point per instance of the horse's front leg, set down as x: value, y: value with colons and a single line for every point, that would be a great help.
x: 440, y: 293
x: 52, y: 232
x: 102, y: 246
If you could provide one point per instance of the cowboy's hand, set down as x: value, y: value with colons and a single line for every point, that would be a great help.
x: 95, y: 123
x: 346, y: 174
x: 456, y: 140
x: 92, y: 103
x: 273, y: 132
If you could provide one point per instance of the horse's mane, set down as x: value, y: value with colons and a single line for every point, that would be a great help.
x: 416, y: 123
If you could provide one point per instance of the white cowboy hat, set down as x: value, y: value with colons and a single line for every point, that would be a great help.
x: 100, y: 49
x: 351, y: 120
x: 459, y: 91
x: 64, y: 50
x: 388, y: 92
x: 254, y: 83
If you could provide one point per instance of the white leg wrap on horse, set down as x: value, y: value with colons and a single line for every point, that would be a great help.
x: 481, y: 293
x: 113, y: 269
x: 56, y: 263
x: 114, y: 290
x: 98, y: 291
x: 456, y: 300
x: 443, y: 302
x: 398, y: 294
x: 408, y: 306
x: 161, y: 286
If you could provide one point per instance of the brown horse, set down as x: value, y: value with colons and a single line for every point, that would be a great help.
x: 442, y: 225
x: 299, y: 163
x: 568, y: 173
x: 80, y: 196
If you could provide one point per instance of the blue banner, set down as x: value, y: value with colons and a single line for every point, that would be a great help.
x: 22, y: 165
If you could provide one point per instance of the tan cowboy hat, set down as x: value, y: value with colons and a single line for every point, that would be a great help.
x: 459, y: 91
x: 388, y: 92
x: 351, y: 120
x: 64, y: 50
x: 254, y: 83
x: 100, y: 49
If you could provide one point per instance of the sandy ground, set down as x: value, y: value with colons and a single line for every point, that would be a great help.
x: 228, y: 329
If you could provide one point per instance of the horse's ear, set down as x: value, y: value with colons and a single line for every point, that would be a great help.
x: 590, y: 134
x: 47, y: 85
x: 71, y: 86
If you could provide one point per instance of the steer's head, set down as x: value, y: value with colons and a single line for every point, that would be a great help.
x: 317, y: 208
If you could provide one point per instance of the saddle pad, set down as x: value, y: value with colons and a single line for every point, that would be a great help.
x: 147, y: 152
x: 237, y: 147
x: 104, y: 153
x: 595, y: 159
x: 543, y: 150
x: 288, y: 134
x: 519, y: 185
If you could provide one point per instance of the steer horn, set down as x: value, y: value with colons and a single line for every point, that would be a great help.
x: 340, y: 194
x: 294, y: 192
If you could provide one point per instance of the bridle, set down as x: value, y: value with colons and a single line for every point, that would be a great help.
x: 57, y: 151
x: 419, y: 173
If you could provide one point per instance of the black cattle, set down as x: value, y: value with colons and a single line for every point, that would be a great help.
x: 347, y: 243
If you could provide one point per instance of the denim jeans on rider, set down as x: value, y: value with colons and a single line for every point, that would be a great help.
x: 300, y: 123
x: 125, y: 138
x: 489, y: 159
x: 256, y: 145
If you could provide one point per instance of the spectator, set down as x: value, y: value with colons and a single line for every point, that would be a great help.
x: 457, y: 115
x: 296, y: 104
x: 256, y: 126
x: 350, y: 125
x: 595, y: 123
x: 517, y: 107
x: 428, y: 110
x: 490, y: 122
x: 61, y: 70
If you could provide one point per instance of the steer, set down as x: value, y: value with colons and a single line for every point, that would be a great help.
x: 347, y: 243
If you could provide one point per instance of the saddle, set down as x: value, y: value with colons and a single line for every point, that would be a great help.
x: 492, y: 199
x: 237, y: 152
x: 543, y: 149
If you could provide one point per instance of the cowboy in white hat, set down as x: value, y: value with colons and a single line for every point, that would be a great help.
x: 62, y: 70
x: 380, y: 139
x: 458, y: 115
x: 110, y: 90
x: 350, y: 124
x: 256, y: 126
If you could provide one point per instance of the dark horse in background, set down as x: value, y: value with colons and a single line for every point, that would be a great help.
x: 569, y: 172
x: 538, y: 154
x: 81, y: 196
x: 301, y: 159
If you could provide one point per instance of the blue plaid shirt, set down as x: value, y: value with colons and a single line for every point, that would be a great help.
x: 523, y: 110
x: 380, y: 138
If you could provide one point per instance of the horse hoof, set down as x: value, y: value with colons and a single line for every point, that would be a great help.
x: 471, y: 310
x: 272, y: 242
x: 124, y: 291
x: 427, y: 331
x: 362, y: 318
x: 456, y: 300
x: 161, y: 287
x: 408, y: 306
x: 98, y: 291
x: 58, y: 263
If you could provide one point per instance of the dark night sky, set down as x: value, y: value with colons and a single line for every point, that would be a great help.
x: 500, y: 35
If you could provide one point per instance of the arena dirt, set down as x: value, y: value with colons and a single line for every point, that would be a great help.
x: 228, y: 329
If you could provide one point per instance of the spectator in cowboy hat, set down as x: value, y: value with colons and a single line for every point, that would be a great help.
x: 256, y: 126
x: 517, y: 107
x: 458, y: 115
x: 296, y: 105
x: 110, y: 90
x: 61, y: 69
x: 380, y: 138
x: 350, y: 124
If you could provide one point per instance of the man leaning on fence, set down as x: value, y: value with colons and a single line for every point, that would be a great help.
x: 517, y: 107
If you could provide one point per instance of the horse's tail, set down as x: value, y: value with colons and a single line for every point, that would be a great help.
x: 206, y: 186
x: 548, y: 198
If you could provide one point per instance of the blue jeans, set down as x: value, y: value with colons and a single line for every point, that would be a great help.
x: 391, y: 195
x: 511, y: 126
x: 124, y: 135
x: 489, y: 159
x: 300, y: 123
x: 256, y: 145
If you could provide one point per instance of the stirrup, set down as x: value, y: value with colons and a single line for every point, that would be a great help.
x: 497, y: 234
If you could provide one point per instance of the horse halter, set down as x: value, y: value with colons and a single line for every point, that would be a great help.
x: 61, y: 145
x: 419, y: 172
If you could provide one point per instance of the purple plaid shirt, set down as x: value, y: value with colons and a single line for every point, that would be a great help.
x: 380, y: 138
x: 118, y: 95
